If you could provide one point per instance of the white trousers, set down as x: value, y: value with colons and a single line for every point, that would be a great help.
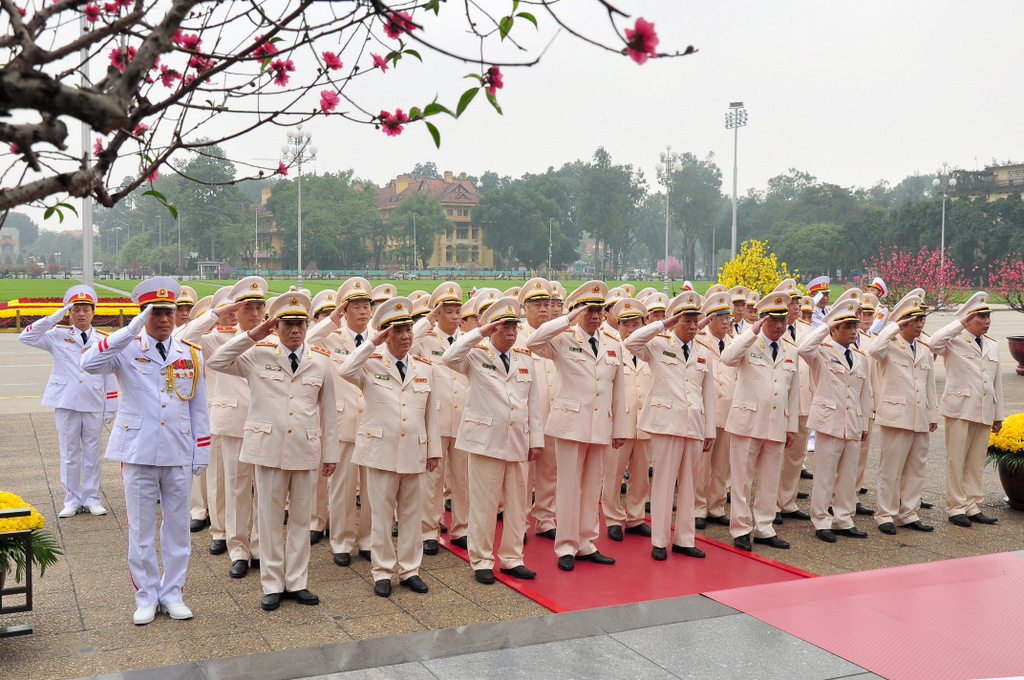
x: 966, y: 447
x: 198, y: 498
x: 712, y: 477
x: 835, y: 482
x: 792, y: 463
x: 78, y: 434
x: 544, y: 481
x: 453, y: 468
x: 341, y: 501
x: 493, y: 481
x: 674, y: 461
x: 747, y: 455
x: 240, y: 503
x: 393, y: 494
x: 284, y: 564
x: 578, y: 492
x: 215, y: 489
x: 144, y: 485
x: 635, y: 454
x: 901, y: 468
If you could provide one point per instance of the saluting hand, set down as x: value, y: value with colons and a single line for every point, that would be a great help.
x: 228, y: 310
x: 263, y: 330
x: 903, y: 323
x: 757, y: 325
x: 381, y: 337
x: 703, y: 323
x: 575, y: 313
x: 488, y: 329
x: 338, y: 312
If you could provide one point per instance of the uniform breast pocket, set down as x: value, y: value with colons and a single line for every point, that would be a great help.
x: 272, y: 375
x: 311, y: 387
x: 380, y: 391
x: 743, y: 413
x: 371, y: 432
x: 476, y: 428
x: 823, y: 408
x: 524, y: 377
x: 668, y: 360
x: 566, y: 405
x: 892, y: 407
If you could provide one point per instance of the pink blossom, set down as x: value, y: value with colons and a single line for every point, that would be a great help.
x: 332, y: 60
x: 199, y: 63
x: 153, y: 175
x: 282, y: 169
x: 398, y: 23
x: 111, y: 7
x: 97, y: 147
x: 641, y: 41
x: 281, y: 69
x: 21, y: 11
x: 493, y: 80
x: 120, y: 56
x: 14, y: 148
x: 168, y: 76
x: 92, y: 13
x: 329, y: 101
x: 179, y: 37
x: 380, y: 62
x: 191, y: 41
x: 265, y: 48
x: 392, y: 122
x: 139, y: 129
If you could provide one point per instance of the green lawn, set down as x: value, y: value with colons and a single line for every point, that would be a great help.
x: 12, y: 289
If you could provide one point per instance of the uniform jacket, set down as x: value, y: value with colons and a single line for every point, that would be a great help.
x: 907, y: 399
x: 503, y: 417
x: 841, y: 406
x: 291, y: 421
x: 590, y: 403
x: 400, y: 429
x: 864, y: 343
x: 725, y: 377
x: 546, y: 373
x: 348, y: 397
x: 974, y: 389
x: 637, y: 386
x: 157, y: 424
x: 69, y: 386
x: 450, y: 386
x: 766, y: 402
x: 806, y: 382
x: 681, y: 401
x: 229, y: 393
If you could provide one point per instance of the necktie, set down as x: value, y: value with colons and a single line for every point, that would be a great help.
x: 913, y: 348
x: 295, y: 361
x: 359, y: 339
x: 634, y: 361
x: 686, y: 352
x: 451, y: 341
x: 849, y: 357
x: 792, y: 332
x: 160, y: 348
x: 504, y: 360
x: 721, y: 346
x: 85, y: 338
x: 401, y: 369
x: 775, y: 350
x: 736, y: 327
x: 593, y: 345
x: 978, y: 340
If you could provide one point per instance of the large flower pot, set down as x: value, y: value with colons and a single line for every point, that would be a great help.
x: 1016, y: 343
x: 1013, y: 485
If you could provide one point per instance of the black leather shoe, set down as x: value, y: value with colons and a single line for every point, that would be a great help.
x: 825, y: 535
x: 864, y: 510
x: 659, y: 554
x: 461, y: 542
x: 448, y: 504
x: 982, y: 519
x: 802, y: 495
x: 365, y: 554
x: 315, y: 536
x: 286, y: 518
x: 520, y: 571
x: 721, y: 520
x: 778, y: 519
x: 394, y: 529
x: 647, y: 507
x: 689, y: 552
x: 430, y: 547
x: 925, y: 505
x: 640, y: 530
x: 302, y: 597
x: 270, y: 602
x: 550, y: 533
x: 254, y: 563
x: 239, y: 568
x: 382, y: 587
x: 566, y: 563
x: 485, y: 576
x: 415, y: 584
x: 796, y: 514
x: 806, y: 474
x: 596, y: 558
x: 918, y: 525
x: 218, y: 547
x: 852, y: 532
x: 728, y: 497
x: 622, y: 488
x: 444, y: 529
x: 615, y: 532
x: 742, y: 542
x: 198, y: 524
x: 700, y: 523
x: 501, y: 517
x: 772, y: 542
x: 960, y: 520
x: 862, y: 490
x: 343, y: 559
x: 887, y: 528
x: 359, y: 501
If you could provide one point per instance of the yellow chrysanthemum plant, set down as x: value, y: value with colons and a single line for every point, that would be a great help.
x: 1006, y: 449
x: 755, y: 267
x: 45, y: 549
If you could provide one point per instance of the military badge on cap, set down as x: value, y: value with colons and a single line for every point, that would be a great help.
x: 978, y: 304
x: 591, y: 293
x: 717, y: 303
x: 739, y: 293
x: 909, y: 306
x: 535, y: 289
x: 355, y: 288
x: 80, y: 293
x: 249, y: 288
x: 159, y: 292
x: 503, y: 309
x: 842, y: 311
x: 855, y: 294
x: 290, y: 306
x: 819, y: 285
x: 687, y: 302
x: 656, y: 302
x: 396, y: 311
x: 384, y: 291
x: 629, y: 308
x: 323, y: 301
x: 448, y: 293
x: 776, y: 305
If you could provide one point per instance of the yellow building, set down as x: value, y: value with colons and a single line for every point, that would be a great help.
x: 462, y: 243
x: 995, y: 182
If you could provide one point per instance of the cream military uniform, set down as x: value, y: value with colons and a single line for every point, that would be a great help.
x: 291, y: 430
x: 199, y: 500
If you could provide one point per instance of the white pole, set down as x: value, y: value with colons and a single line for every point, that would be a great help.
x: 735, y: 173
x: 87, y: 255
x: 300, y: 220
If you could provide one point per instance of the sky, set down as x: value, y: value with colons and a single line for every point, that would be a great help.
x: 852, y: 93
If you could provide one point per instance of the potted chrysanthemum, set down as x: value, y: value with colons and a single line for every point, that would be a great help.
x: 1006, y: 452
x: 45, y: 549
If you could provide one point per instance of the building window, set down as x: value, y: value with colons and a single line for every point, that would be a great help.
x: 462, y: 234
x: 450, y: 212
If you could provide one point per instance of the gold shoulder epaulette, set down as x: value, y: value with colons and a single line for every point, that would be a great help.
x: 431, y: 332
x: 418, y: 357
x: 857, y: 349
x: 922, y: 342
x: 989, y: 337
x: 610, y: 336
x: 376, y: 355
x: 97, y: 330
x: 191, y: 344
x: 788, y: 340
x: 225, y: 329
x: 522, y: 350
x: 266, y: 343
x: 320, y: 349
x: 61, y: 325
x: 826, y: 344
x: 806, y: 323
x: 665, y: 334
x: 701, y: 342
x: 482, y: 345
x: 570, y: 329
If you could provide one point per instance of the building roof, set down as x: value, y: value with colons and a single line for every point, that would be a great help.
x: 448, y: 190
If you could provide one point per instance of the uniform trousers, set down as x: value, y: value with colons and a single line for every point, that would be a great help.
x: 792, y: 463
x: 747, y: 454
x: 577, y: 494
x: 675, y: 459
x: 862, y: 460
x: 493, y: 481
x: 966, y: 448
x: 544, y: 482
x: 215, y: 489
x: 394, y: 494
x: 835, y: 482
x: 144, y: 486
x: 340, y: 502
x: 241, y: 503
x: 198, y: 498
x: 78, y: 434
x: 711, y: 477
x: 284, y: 562
x: 635, y: 455
x: 901, y: 468
x: 454, y: 465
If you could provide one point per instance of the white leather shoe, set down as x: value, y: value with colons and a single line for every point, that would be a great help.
x: 178, y: 610
x: 144, y: 615
x: 68, y: 511
x: 97, y: 510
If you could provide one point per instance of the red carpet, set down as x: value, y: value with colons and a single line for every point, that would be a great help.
x: 950, y: 619
x: 635, y: 577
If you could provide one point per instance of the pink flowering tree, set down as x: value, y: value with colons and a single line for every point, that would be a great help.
x: 675, y: 267
x: 146, y: 79
x: 1006, y: 281
x: 944, y: 282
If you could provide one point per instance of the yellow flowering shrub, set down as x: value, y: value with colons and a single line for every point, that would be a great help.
x: 1009, y: 442
x: 45, y: 549
x: 755, y: 267
x: 8, y: 501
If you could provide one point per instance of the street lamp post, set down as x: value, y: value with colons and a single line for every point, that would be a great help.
x: 734, y: 120
x: 58, y: 262
x: 668, y: 164
x: 550, y: 222
x: 415, y: 266
x: 257, y: 250
x: 946, y: 182
x: 298, y: 150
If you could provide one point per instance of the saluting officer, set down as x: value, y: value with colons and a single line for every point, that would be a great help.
x: 81, y: 402
x: 161, y: 437
x: 501, y: 430
x: 819, y: 291
x: 291, y: 436
x: 794, y: 455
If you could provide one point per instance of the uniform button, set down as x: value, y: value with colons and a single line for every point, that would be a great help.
x: 595, y: 408
x: 403, y: 420
x: 162, y: 422
x: 161, y: 389
x: 403, y: 434
x: 163, y: 405
x: 291, y: 396
x: 403, y: 403
x: 257, y: 427
x: 79, y: 382
x: 293, y: 379
x: 223, y: 403
x: 598, y: 380
x: 291, y: 413
x: 289, y: 431
x: 360, y: 410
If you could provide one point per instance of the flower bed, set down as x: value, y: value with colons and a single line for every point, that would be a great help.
x: 108, y: 311
x: 45, y: 549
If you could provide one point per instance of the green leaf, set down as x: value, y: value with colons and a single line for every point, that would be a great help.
x: 465, y: 99
x: 156, y: 194
x: 529, y: 17
x: 433, y: 108
x: 434, y: 133
x: 504, y: 26
x: 415, y: 113
x: 415, y: 54
x: 69, y: 207
x: 477, y: 76
x: 494, y: 103
x: 515, y: 6
x: 433, y: 5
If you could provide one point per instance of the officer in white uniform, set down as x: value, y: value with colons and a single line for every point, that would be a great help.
x: 81, y: 402
x: 161, y: 437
